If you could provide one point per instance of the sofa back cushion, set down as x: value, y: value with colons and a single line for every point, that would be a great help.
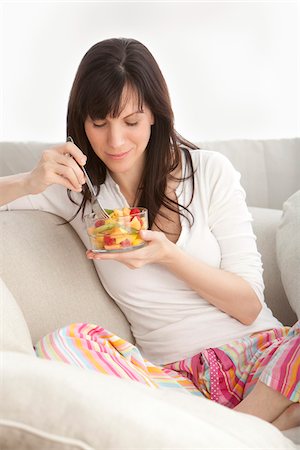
x: 270, y: 169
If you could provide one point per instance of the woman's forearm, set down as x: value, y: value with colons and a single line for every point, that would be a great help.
x: 13, y: 187
x: 225, y: 290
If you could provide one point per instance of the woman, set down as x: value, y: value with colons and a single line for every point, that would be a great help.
x: 195, y: 304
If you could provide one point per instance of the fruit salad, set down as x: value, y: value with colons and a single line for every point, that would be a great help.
x: 120, y: 232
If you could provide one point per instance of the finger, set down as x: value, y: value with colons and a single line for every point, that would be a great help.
x: 59, y: 156
x: 105, y: 256
x: 74, y: 151
x: 89, y: 254
x: 68, y: 161
x: 148, y: 235
x: 58, y: 179
x: 67, y: 173
x: 92, y: 255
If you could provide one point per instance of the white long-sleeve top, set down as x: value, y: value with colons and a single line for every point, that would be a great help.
x: 169, y: 320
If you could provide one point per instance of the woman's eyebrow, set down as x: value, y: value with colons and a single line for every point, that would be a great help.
x: 131, y: 114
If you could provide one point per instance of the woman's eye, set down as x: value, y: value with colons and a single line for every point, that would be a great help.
x: 98, y: 125
x: 131, y: 124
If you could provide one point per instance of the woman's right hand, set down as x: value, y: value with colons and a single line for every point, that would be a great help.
x: 58, y: 165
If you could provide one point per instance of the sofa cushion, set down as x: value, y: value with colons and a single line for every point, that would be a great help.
x: 265, y: 224
x: 81, y: 409
x: 46, y: 269
x: 288, y: 250
x: 15, y: 336
x: 269, y: 168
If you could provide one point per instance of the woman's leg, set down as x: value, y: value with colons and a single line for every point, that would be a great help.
x: 290, y: 418
x: 276, y: 395
x: 258, y: 374
x: 268, y: 404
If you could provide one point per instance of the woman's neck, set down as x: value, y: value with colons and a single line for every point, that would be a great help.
x: 128, y: 184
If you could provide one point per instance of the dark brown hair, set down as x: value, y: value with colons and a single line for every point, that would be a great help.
x: 104, y: 71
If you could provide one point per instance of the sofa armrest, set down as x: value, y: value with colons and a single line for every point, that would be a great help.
x: 66, y: 407
x: 14, y: 335
x: 265, y: 223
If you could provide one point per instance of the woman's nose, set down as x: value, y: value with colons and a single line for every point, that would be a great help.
x: 115, y: 137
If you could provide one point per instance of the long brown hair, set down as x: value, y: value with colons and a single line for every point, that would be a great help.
x: 104, y: 71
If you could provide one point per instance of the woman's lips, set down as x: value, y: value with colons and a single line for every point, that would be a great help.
x: 118, y: 155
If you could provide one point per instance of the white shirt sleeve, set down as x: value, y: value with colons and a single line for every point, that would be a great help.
x: 54, y: 200
x: 230, y: 222
x: 24, y: 202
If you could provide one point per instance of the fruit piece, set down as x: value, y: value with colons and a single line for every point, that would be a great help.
x: 109, y: 220
x: 125, y: 243
x: 99, y: 223
x: 97, y: 242
x: 137, y: 241
x: 135, y: 223
x: 99, y: 245
x: 107, y: 226
x: 118, y: 230
x: 108, y: 240
x: 112, y: 247
x: 134, y: 211
x: 126, y: 212
x: 127, y: 237
x: 117, y: 213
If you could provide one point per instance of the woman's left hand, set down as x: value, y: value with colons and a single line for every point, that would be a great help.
x: 157, y: 250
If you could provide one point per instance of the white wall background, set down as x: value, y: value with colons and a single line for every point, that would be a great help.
x: 232, y: 67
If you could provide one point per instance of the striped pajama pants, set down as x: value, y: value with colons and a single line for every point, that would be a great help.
x: 226, y: 374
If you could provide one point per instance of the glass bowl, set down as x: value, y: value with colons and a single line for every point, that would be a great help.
x: 118, y: 233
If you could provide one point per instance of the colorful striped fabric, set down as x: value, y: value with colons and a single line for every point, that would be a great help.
x: 92, y: 347
x: 225, y: 374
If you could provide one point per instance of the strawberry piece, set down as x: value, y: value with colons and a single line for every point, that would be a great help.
x: 125, y: 243
x: 108, y: 240
x: 99, y: 223
x: 134, y: 211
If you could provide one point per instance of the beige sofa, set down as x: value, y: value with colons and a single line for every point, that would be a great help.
x: 47, y: 282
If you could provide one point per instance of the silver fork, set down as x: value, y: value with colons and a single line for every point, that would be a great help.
x: 96, y: 205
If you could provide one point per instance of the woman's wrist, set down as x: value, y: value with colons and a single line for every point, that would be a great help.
x: 172, y: 255
x: 13, y: 187
x: 24, y: 181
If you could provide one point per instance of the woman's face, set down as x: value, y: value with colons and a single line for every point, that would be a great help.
x: 120, y: 142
